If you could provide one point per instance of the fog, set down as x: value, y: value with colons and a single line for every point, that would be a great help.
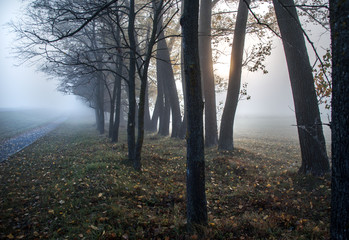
x: 23, y: 87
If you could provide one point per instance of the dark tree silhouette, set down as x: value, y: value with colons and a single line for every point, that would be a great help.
x: 339, y: 17
x: 311, y: 137
x: 231, y: 102
x: 196, y: 197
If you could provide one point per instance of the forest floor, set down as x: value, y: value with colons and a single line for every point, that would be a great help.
x: 76, y: 184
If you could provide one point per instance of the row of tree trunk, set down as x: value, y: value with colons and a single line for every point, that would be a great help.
x: 314, y: 156
x: 311, y: 138
x: 199, y: 85
x: 313, y: 149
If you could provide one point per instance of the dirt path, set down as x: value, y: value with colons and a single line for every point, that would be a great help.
x: 17, y: 143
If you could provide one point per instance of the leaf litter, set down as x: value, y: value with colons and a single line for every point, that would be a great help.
x: 75, y: 184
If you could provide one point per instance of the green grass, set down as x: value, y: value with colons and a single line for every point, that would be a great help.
x: 75, y: 184
x: 16, y: 122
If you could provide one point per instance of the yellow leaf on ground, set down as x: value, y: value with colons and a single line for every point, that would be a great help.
x: 316, y: 229
x: 10, y: 236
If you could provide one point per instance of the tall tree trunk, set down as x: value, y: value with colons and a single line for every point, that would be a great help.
x: 96, y: 116
x: 196, y: 197
x: 144, y: 79
x: 183, y: 128
x: 339, y: 16
x: 164, y: 105
x: 101, y: 95
x: 207, y: 77
x: 311, y: 138
x: 114, y: 111
x: 131, y: 85
x: 115, y: 134
x: 227, y: 124
x: 147, y: 119
x: 111, y: 117
x: 156, y: 114
x: 164, y: 125
x: 116, y: 126
x: 140, y: 126
x: 165, y: 72
x: 112, y: 108
x: 100, y: 105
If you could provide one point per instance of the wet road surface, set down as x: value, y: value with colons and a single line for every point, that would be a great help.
x: 17, y: 143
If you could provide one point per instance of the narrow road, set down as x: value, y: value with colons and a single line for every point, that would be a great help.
x: 16, y: 144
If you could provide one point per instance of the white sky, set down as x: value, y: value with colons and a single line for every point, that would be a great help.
x: 24, y: 87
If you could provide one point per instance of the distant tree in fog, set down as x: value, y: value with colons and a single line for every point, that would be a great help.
x: 90, y: 39
x: 207, y: 76
x: 167, y: 90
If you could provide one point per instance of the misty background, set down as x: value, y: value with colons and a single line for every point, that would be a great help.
x: 270, y: 106
x: 22, y: 87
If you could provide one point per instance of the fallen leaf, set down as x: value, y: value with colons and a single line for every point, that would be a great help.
x: 94, y: 227
x: 10, y: 236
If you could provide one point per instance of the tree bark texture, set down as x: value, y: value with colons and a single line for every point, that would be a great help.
x: 339, y: 18
x: 227, y: 124
x: 131, y: 85
x: 311, y: 137
x: 207, y: 77
x: 196, y: 197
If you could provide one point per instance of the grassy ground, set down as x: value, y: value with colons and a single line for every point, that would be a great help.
x: 16, y: 122
x: 75, y: 184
